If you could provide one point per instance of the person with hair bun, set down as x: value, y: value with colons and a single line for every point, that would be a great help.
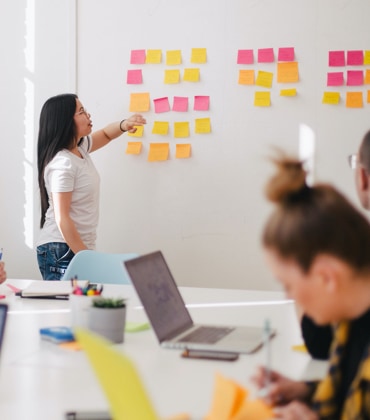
x: 317, y: 245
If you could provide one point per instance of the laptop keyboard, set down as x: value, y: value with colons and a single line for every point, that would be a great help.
x: 207, y: 335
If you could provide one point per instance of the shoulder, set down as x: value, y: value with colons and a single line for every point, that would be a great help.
x: 62, y: 160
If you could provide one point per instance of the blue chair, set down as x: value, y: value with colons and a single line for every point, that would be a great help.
x: 99, y: 267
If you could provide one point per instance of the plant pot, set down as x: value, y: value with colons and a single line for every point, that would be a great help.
x: 108, y: 322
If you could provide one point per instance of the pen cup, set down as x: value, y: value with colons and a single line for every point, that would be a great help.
x: 79, y: 305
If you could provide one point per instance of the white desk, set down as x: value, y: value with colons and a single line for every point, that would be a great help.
x: 39, y: 380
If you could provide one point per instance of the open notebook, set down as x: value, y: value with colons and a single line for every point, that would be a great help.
x: 170, y: 318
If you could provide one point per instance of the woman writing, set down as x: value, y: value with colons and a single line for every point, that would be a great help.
x: 68, y: 180
x: 317, y: 246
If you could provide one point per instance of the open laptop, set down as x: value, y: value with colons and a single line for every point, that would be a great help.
x: 170, y: 319
x: 3, y: 315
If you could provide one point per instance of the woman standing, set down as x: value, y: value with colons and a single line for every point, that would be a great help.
x: 68, y: 180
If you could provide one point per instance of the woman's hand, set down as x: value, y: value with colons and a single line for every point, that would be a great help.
x: 129, y: 124
x: 281, y: 390
x: 295, y: 410
x: 2, y: 272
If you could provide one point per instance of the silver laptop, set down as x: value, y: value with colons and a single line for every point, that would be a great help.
x: 170, y: 319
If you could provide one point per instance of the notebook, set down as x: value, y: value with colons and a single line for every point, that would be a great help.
x: 3, y: 315
x: 170, y: 319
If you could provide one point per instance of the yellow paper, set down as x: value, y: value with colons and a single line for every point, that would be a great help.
x: 171, y: 76
x: 287, y: 72
x: 246, y: 77
x: 331, y: 98
x: 254, y: 410
x: 354, y: 100
x: 202, y: 125
x: 183, y: 151
x: 198, y: 55
x: 191, y: 75
x: 264, y: 79
x: 118, y: 377
x: 366, y: 57
x: 367, y: 77
x: 160, y: 127
x: 300, y: 347
x: 181, y: 129
x: 288, y: 92
x: 153, y: 57
x: 262, y: 99
x: 133, y: 148
x: 173, y: 57
x: 158, y: 152
x: 139, y: 102
x: 139, y: 131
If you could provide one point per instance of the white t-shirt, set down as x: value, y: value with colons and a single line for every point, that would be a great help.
x: 68, y: 172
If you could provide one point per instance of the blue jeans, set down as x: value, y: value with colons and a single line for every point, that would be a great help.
x: 53, y: 259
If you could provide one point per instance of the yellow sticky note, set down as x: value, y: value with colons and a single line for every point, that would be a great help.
x: 139, y: 102
x: 183, y: 151
x: 264, y: 79
x: 133, y: 148
x: 202, y: 125
x: 287, y: 72
x: 288, y: 92
x: 354, y: 100
x: 366, y: 57
x: 198, y: 55
x: 246, y: 77
x: 160, y: 127
x: 171, y: 76
x: 181, y: 129
x: 117, y: 376
x: 300, y: 347
x: 173, y: 57
x: 331, y: 98
x: 158, y: 152
x: 138, y: 133
x: 262, y: 99
x: 153, y: 57
x: 191, y: 75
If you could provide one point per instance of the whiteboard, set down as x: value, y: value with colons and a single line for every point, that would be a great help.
x: 206, y: 213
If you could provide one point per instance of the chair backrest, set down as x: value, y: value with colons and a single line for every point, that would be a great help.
x: 99, y: 267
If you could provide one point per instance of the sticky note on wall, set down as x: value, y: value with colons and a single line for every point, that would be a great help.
x: 158, y: 152
x: 139, y: 102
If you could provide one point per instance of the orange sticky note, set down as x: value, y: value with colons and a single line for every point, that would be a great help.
x: 171, y: 76
x: 246, y: 77
x: 264, y: 79
x: 173, y: 57
x: 153, y: 57
x: 198, y: 55
x: 191, y: 75
x: 287, y: 72
x: 133, y: 148
x: 160, y: 127
x: 368, y: 96
x: 138, y: 133
x: 367, y: 77
x: 158, y: 152
x: 139, y: 102
x: 254, y: 410
x: 181, y: 129
x: 262, y: 99
x: 331, y: 98
x: 183, y: 151
x: 354, y: 100
x: 202, y: 125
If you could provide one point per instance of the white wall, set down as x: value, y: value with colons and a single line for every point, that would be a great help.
x: 205, y: 213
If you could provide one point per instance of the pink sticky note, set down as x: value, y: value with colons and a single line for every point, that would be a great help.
x: 161, y: 105
x: 266, y: 55
x: 336, y: 58
x: 201, y: 103
x: 134, y: 77
x: 335, y: 78
x: 137, y: 57
x: 245, y: 57
x: 355, y: 77
x: 180, y: 104
x: 286, y: 54
x: 355, y: 58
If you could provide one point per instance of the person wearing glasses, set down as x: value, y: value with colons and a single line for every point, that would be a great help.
x: 68, y: 180
x: 317, y: 245
x: 319, y: 338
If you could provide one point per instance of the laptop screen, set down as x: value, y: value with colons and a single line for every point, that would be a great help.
x: 159, y: 295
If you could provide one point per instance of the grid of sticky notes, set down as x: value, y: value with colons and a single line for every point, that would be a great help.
x: 261, y: 66
x: 143, y: 102
x: 348, y: 74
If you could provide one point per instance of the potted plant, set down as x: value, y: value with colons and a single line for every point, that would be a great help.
x: 107, y: 317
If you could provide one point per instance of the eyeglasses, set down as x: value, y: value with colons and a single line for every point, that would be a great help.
x: 353, y: 161
x: 83, y: 111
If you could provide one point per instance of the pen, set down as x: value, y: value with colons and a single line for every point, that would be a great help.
x: 1, y: 254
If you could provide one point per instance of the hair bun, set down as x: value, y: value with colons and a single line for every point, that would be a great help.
x: 288, y: 181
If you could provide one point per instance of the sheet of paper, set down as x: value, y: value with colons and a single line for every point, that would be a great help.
x: 181, y: 129
x: 139, y: 102
x: 354, y: 100
x: 245, y: 57
x: 160, y: 127
x: 138, y: 133
x: 198, y: 55
x: 138, y: 57
x: 183, y: 151
x: 171, y: 76
x: 262, y: 99
x: 265, y: 55
x: 180, y: 103
x: 191, y: 75
x: 331, y: 98
x: 337, y: 59
x: 158, y: 152
x: 287, y: 72
x: 201, y: 103
x: 133, y: 148
x: 173, y: 57
x: 355, y: 77
x: 264, y: 79
x: 335, y: 78
x: 288, y: 92
x: 161, y: 105
x: 355, y: 58
x: 246, y: 77
x: 286, y: 54
x: 153, y: 57
x: 202, y: 125
x: 134, y: 77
